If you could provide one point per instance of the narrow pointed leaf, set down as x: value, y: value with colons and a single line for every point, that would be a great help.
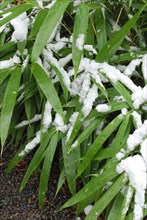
x: 115, y: 41
x: 18, y: 10
x: 80, y: 28
x: 48, y: 26
x: 46, y: 168
x: 47, y: 88
x: 97, y: 144
x: 102, y: 203
x: 9, y: 103
x: 90, y: 188
x: 37, y: 157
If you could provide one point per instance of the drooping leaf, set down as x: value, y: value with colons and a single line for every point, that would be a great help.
x: 37, y: 157
x: 97, y: 144
x: 46, y: 168
x: 46, y: 29
x: 9, y: 103
x: 80, y: 29
x: 115, y: 41
x: 47, y: 88
x: 106, y: 198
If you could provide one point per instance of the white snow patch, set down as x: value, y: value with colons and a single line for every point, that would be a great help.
x: 143, y: 150
x: 59, y: 123
x: 136, y: 171
x: 103, y: 108
x: 80, y: 42
x: 124, y: 111
x: 137, y: 119
x: 9, y: 63
x: 144, y: 67
x: 132, y: 66
x: 47, y: 116
x: 137, y: 137
x: 20, y: 24
x: 88, y: 209
x: 139, y: 96
x: 36, y: 118
x: 72, y: 121
x: 90, y: 48
x: 89, y: 100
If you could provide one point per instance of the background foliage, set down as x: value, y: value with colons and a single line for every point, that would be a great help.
x: 41, y: 90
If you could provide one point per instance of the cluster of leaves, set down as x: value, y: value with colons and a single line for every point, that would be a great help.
x: 25, y: 90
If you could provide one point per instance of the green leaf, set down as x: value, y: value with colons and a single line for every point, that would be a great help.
x: 102, y: 203
x: 69, y: 165
x: 9, y: 103
x: 61, y: 180
x: 37, y: 157
x: 46, y: 168
x: 6, y: 48
x: 95, y: 184
x: 80, y: 27
x: 5, y: 3
x: 4, y: 73
x: 100, y: 28
x: 116, y: 207
x: 115, y: 41
x: 38, y: 22
x: 18, y: 10
x: 85, y: 134
x: 123, y: 133
x: 126, y: 203
x: 48, y: 26
x: 47, y: 88
x: 97, y: 144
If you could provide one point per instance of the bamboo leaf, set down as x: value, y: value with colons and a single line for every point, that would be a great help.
x: 48, y: 26
x: 114, y: 42
x: 37, y: 157
x: 100, y: 28
x: 18, y: 10
x: 47, y: 88
x: 106, y: 198
x: 99, y: 181
x: 97, y: 144
x: 46, y: 168
x: 80, y: 28
x: 38, y: 22
x: 9, y: 103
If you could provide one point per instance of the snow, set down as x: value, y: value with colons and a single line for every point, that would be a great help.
x: 36, y: 118
x: 136, y: 170
x: 143, y: 150
x: 48, y: 55
x: 9, y: 63
x: 75, y: 144
x: 127, y: 202
x: 20, y: 25
x: 121, y: 154
x: 89, y: 100
x: 144, y: 67
x: 59, y: 123
x: 88, y: 209
x: 103, y: 108
x: 31, y: 145
x: 47, y: 116
x: 137, y: 119
x: 90, y: 48
x: 124, y: 111
x: 137, y: 137
x: 63, y: 61
x: 80, y: 42
x: 132, y: 66
x: 4, y: 16
x: 139, y: 96
x: 72, y: 121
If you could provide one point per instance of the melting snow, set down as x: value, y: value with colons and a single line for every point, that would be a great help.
x: 80, y: 42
